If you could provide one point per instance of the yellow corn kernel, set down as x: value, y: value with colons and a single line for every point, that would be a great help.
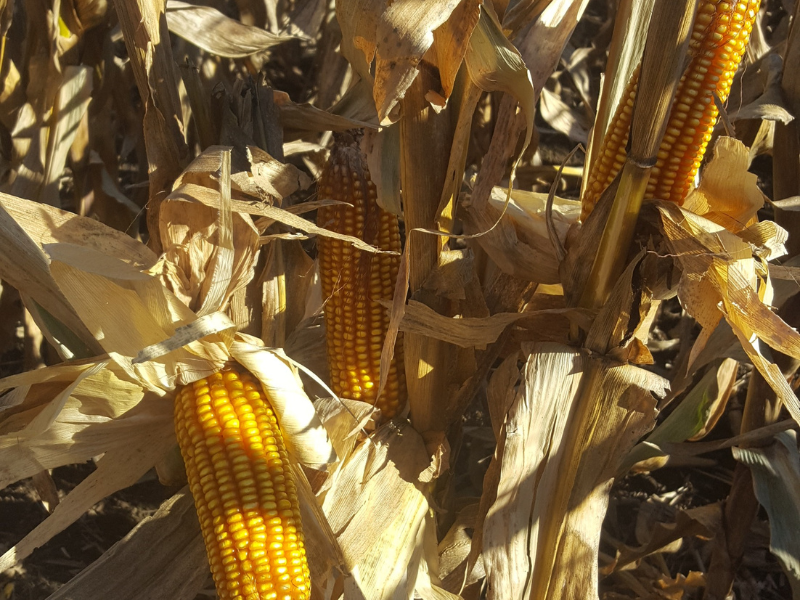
x: 246, y: 500
x: 719, y: 38
x: 354, y: 282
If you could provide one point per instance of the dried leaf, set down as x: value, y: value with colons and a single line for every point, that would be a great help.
x: 12, y: 94
x: 455, y: 546
x: 177, y: 565
x: 273, y: 177
x: 465, y: 103
x: 541, y: 47
x: 39, y: 179
x: 528, y: 211
x: 720, y: 279
x: 473, y: 331
x: 119, y: 468
x: 611, y: 332
x: 438, y: 448
x: 396, y: 313
x: 728, y: 194
x: 529, y: 258
x: 213, y: 251
x: 541, y: 535
x: 501, y: 393
x: 357, y: 103
x: 770, y: 105
x: 24, y: 265
x: 207, y: 325
x: 108, y: 204
x: 344, y: 420
x: 358, y: 20
x: 209, y: 29
x: 376, y: 510
x: 451, y: 41
x: 564, y: 118
x: 404, y: 33
x: 693, y: 418
x: 543, y: 42
x: 151, y: 61
x: 325, y: 558
x: 624, y: 55
x: 152, y: 314
x: 305, y: 117
x: 494, y: 64
x: 194, y: 193
x: 768, y: 239
x: 382, y: 149
x: 752, y: 437
x: 85, y: 276
x: 68, y: 414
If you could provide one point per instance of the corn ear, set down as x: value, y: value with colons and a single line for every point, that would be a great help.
x: 354, y: 282
x: 246, y: 501
x: 719, y: 38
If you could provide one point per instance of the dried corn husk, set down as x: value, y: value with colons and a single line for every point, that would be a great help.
x: 541, y: 529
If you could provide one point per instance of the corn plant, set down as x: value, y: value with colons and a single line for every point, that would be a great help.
x: 322, y: 262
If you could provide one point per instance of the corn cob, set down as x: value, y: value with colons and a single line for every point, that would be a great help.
x: 354, y: 281
x: 246, y: 501
x: 719, y: 38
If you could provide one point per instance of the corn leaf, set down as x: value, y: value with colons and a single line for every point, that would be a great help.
x: 697, y: 414
x: 720, y: 279
x: 776, y: 479
x: 209, y: 29
x: 24, y: 265
x: 118, y: 469
x: 49, y: 225
x: 376, y: 509
x: 177, y: 566
x: 541, y: 533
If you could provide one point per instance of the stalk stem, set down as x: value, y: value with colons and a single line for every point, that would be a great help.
x: 617, y: 236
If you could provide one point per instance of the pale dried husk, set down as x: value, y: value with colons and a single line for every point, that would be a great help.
x: 546, y: 492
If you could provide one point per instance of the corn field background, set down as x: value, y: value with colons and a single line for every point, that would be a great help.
x: 597, y: 400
